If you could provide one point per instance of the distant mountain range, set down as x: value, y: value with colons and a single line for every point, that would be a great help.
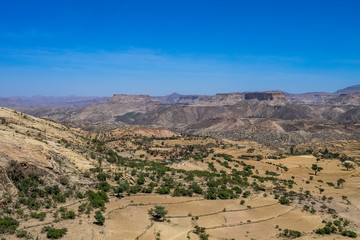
x: 174, y: 98
x: 272, y: 117
x: 41, y: 101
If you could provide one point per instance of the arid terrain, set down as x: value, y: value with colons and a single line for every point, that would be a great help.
x: 272, y: 118
x: 63, y: 182
x: 180, y: 120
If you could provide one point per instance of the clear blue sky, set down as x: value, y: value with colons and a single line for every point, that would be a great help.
x: 158, y: 47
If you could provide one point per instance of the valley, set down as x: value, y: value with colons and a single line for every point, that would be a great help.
x: 272, y: 118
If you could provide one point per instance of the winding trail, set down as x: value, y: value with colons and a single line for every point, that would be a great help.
x: 149, y: 204
x: 234, y: 210
x: 252, y: 222
x: 146, y: 229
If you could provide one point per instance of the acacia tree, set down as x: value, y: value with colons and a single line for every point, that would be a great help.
x: 340, y: 182
x: 316, y: 168
x: 348, y: 165
x: 158, y: 214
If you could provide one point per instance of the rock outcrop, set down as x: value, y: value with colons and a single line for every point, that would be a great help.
x: 262, y: 96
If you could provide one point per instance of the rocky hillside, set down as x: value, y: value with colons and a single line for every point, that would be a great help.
x: 29, y: 145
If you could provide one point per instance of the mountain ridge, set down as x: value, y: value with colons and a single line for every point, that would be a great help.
x: 263, y: 116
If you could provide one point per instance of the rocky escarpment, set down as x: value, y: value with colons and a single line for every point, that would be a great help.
x: 29, y: 145
x: 262, y: 96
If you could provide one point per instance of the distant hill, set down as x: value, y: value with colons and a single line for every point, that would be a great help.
x: 41, y: 101
x: 351, y: 89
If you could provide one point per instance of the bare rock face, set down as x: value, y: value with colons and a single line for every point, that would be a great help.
x: 30, y: 145
x: 265, y: 96
x: 5, y: 182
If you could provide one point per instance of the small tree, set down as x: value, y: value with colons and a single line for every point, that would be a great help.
x: 316, y: 168
x: 343, y: 158
x: 340, y: 182
x: 348, y: 165
x: 54, y: 233
x: 120, y: 189
x: 159, y: 213
x: 99, y: 218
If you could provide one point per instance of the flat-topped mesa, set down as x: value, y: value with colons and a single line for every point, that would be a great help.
x: 117, y: 98
x: 227, y: 98
x: 262, y: 96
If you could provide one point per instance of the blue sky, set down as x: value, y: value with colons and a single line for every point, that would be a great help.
x: 159, y: 47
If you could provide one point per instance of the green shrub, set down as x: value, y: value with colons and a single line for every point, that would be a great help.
x: 23, y: 234
x: 196, y: 188
x: 348, y: 233
x: 121, y: 188
x: 226, y: 194
x: 291, y: 233
x: 135, y: 189
x: 326, y: 230
x: 99, y: 218
x: 148, y: 189
x: 53, y: 190
x: 246, y: 194
x: 182, y: 192
x: 141, y: 179
x: 68, y: 215
x: 163, y: 190
x: 41, y: 216
x: 212, y: 167
x: 211, y: 194
x: 284, y: 201
x: 54, y: 233
x: 103, y: 186
x: 98, y: 199
x: 8, y: 225
x: 102, y: 176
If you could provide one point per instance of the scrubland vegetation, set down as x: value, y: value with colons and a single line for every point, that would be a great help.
x: 188, y: 168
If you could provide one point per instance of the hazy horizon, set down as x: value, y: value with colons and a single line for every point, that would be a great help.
x: 99, y: 96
